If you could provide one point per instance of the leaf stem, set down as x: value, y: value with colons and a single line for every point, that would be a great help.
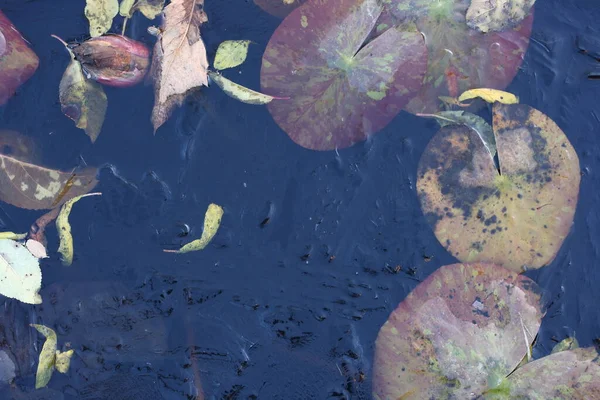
x: 124, y: 26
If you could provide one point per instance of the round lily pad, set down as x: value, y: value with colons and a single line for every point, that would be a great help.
x: 460, y: 58
x: 517, y: 216
x: 279, y: 8
x: 342, y: 87
x: 457, y: 334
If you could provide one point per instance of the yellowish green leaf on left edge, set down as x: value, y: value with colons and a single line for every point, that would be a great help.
x: 63, y: 227
x: 489, y: 95
x: 12, y: 235
x: 231, y: 53
x: 212, y: 221
x: 100, y: 14
x: 239, y: 92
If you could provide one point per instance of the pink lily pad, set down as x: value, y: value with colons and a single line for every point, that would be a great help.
x: 342, y: 86
x: 17, y: 61
x: 460, y: 58
x: 458, y: 334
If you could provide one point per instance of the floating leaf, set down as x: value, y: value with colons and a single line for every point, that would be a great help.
x: 569, y: 343
x: 240, y: 92
x: 475, y: 122
x: 497, y: 15
x: 460, y: 58
x: 490, y: 95
x: 342, y: 86
x: 63, y: 361
x: 17, y: 61
x: 179, y: 62
x: 20, y: 274
x: 212, y: 221
x: 231, y: 53
x: 36, y: 248
x: 47, y: 356
x: 100, y: 14
x: 12, y: 235
x: 113, y: 60
x: 279, y: 8
x: 518, y: 218
x: 81, y: 99
x: 457, y: 334
x: 150, y: 8
x: 64, y: 229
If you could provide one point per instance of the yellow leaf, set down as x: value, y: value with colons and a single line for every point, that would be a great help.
x: 63, y: 227
x: 239, y: 92
x: 126, y: 8
x: 150, y: 8
x: 489, y: 95
x: 100, y: 13
x: 212, y: 220
x: 47, y: 356
x: 231, y: 53
x: 63, y: 361
x: 12, y: 235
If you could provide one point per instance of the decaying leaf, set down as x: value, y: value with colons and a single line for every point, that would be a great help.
x: 12, y: 235
x: 490, y: 95
x: 517, y: 217
x: 63, y: 227
x: 20, y: 274
x: 231, y: 53
x: 497, y: 15
x: 179, y: 62
x: 50, y: 357
x: 240, y: 92
x: 212, y: 220
x: 150, y: 8
x: 81, y: 99
x: 63, y: 361
x: 36, y: 248
x: 457, y: 334
x: 100, y: 14
x: 569, y: 343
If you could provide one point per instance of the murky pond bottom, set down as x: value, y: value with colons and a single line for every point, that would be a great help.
x: 315, y: 249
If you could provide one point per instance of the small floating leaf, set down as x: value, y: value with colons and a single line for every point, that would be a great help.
x: 12, y: 235
x: 149, y: 8
x: 100, y: 14
x: 126, y: 8
x: 231, y: 53
x: 36, y: 248
x: 497, y: 15
x: 47, y: 356
x: 63, y: 227
x: 63, y: 361
x: 490, y: 95
x: 239, y: 92
x: 212, y: 220
x: 20, y: 274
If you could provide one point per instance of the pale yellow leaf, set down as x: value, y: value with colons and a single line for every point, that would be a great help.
x: 63, y: 227
x: 47, y: 356
x: 126, y: 8
x: 240, y: 92
x: 12, y: 235
x: 100, y: 14
x: 63, y: 361
x: 149, y: 8
x: 490, y: 95
x: 212, y: 221
x: 20, y: 273
x: 231, y: 53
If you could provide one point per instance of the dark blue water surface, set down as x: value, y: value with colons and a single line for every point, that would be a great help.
x: 288, y: 310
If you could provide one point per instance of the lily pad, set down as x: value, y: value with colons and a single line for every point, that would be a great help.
x: 279, y: 8
x: 457, y: 334
x: 460, y: 58
x: 517, y: 217
x: 342, y: 87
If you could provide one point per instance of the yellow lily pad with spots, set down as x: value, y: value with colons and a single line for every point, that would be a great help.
x: 517, y: 216
x: 231, y: 53
x: 489, y: 95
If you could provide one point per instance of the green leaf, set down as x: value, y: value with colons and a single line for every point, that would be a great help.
x: 63, y: 227
x: 240, y: 92
x: 212, y: 221
x: 231, y: 53
x: 12, y: 235
x: 47, y: 356
x: 100, y: 14
x: 20, y: 274
x: 149, y: 8
x: 126, y: 8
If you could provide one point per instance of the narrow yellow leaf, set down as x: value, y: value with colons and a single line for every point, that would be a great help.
x: 231, y: 53
x: 240, y: 92
x: 489, y: 95
x: 12, y: 235
x: 47, y: 356
x: 63, y: 227
x: 212, y: 221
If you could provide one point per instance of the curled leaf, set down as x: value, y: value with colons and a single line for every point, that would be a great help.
x: 100, y: 14
x: 12, y: 235
x: 497, y: 15
x: 240, y: 92
x: 63, y: 227
x: 231, y: 53
x: 490, y: 95
x: 20, y: 274
x: 179, y: 62
x: 212, y: 220
x: 47, y: 356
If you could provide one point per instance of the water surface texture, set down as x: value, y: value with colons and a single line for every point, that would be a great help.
x: 284, y: 308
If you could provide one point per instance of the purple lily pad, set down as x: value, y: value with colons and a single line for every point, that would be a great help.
x: 279, y: 8
x: 342, y: 86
